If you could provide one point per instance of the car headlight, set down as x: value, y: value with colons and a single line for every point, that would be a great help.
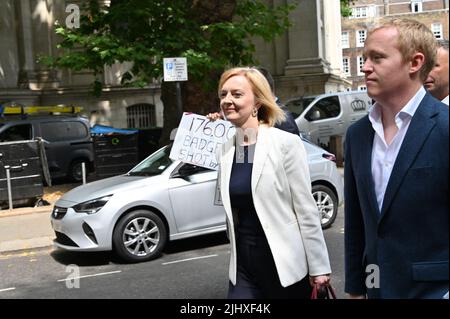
x: 92, y: 206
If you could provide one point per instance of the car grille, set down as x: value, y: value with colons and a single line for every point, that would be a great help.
x: 59, y: 212
x: 64, y: 240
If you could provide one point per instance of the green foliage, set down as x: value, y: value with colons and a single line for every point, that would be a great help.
x: 346, y: 11
x: 145, y: 31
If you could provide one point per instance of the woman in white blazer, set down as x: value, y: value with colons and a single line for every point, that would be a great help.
x: 273, y: 222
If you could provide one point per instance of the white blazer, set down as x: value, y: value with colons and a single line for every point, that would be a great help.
x: 281, y: 190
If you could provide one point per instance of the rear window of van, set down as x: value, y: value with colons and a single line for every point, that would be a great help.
x: 63, y: 131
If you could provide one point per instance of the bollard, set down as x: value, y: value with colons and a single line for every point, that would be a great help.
x: 8, y: 183
x: 83, y: 172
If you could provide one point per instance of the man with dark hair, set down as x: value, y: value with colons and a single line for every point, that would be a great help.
x: 289, y: 124
x: 437, y: 80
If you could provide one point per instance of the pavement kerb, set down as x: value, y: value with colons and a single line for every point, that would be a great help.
x: 25, y: 211
x: 16, y: 247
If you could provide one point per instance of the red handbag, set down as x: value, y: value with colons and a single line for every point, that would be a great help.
x: 323, y: 292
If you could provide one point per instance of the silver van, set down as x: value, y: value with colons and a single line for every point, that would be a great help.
x: 325, y: 115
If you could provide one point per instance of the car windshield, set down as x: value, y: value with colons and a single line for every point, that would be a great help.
x: 155, y: 164
x: 297, y: 106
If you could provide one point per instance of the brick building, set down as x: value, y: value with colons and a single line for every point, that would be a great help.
x: 367, y: 13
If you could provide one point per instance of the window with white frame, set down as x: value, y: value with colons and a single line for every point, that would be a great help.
x: 346, y: 65
x: 360, y: 12
x: 416, y: 6
x: 345, y: 40
x: 362, y: 88
x: 361, y: 37
x: 436, y: 28
x: 360, y: 64
x: 141, y: 116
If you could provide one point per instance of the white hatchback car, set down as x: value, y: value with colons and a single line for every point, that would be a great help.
x: 159, y: 200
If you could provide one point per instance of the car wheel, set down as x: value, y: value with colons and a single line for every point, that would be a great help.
x: 327, y: 204
x: 75, y: 172
x: 139, y: 236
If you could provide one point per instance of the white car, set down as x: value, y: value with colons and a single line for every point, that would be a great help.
x: 159, y: 200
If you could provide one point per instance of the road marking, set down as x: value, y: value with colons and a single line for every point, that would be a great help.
x: 7, y: 289
x: 94, y: 275
x: 187, y: 259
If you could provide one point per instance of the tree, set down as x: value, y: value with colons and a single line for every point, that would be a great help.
x: 346, y: 11
x: 211, y: 34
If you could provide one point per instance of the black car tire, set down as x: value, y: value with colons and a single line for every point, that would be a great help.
x: 75, y: 172
x: 327, y: 198
x: 144, y: 243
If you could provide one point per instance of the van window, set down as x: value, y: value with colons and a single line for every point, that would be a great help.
x: 63, y: 131
x: 18, y: 132
x: 325, y: 108
x: 296, y: 107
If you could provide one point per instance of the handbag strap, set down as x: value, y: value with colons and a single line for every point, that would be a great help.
x: 330, y: 293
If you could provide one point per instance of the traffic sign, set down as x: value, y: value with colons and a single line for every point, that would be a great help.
x: 175, y: 69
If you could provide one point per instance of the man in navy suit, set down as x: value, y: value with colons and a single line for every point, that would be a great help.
x: 396, y: 173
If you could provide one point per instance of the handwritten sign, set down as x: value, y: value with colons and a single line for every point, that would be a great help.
x: 198, y: 138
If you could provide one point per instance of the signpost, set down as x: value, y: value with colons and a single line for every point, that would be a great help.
x: 175, y: 70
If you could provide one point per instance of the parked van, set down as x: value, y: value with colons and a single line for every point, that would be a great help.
x: 67, y: 140
x: 325, y: 115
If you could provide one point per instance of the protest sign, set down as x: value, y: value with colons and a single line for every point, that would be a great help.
x: 198, y: 138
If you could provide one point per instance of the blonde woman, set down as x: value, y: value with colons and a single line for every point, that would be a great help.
x: 277, y: 245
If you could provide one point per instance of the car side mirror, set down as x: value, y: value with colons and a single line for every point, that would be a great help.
x: 186, y: 170
x: 314, y: 115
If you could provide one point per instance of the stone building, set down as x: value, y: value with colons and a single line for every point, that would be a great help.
x: 368, y: 13
x: 306, y: 60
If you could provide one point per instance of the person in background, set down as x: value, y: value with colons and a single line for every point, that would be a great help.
x: 277, y: 245
x: 288, y: 124
x: 396, y: 172
x: 437, y: 80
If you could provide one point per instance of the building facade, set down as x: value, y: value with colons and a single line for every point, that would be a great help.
x: 306, y: 60
x: 368, y: 13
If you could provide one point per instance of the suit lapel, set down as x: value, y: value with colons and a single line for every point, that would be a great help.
x: 226, y: 166
x: 366, y: 146
x: 261, y: 152
x: 418, y: 131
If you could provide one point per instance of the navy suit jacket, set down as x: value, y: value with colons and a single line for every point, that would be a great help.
x: 289, y: 124
x: 402, y: 251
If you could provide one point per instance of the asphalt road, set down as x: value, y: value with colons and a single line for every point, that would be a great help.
x: 189, y: 269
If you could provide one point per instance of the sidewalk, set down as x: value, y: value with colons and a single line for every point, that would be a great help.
x: 25, y: 228
x: 29, y: 227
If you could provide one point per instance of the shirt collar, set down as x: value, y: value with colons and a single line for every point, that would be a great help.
x: 407, y: 111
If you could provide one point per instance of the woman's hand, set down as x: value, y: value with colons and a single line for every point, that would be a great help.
x: 321, y: 280
x: 214, y: 116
